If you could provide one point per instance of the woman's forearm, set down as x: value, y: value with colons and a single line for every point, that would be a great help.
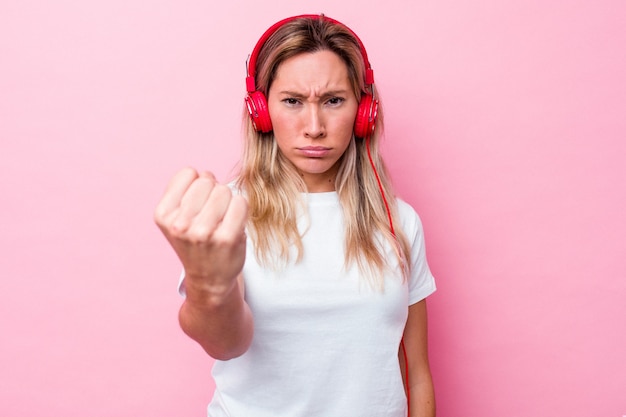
x: 221, y: 323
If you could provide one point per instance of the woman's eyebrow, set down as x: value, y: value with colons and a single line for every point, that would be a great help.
x: 299, y: 95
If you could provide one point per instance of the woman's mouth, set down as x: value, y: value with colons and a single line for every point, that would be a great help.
x: 314, y: 151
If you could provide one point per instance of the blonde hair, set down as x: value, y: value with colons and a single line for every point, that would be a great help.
x: 273, y: 186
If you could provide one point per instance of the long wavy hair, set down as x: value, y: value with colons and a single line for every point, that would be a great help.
x: 275, y: 190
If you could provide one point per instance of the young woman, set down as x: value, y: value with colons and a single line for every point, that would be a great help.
x: 305, y: 278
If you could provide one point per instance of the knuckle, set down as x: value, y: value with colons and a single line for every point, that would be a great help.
x: 188, y: 172
x: 226, y: 240
x: 222, y: 191
x: 160, y: 215
x: 208, y: 175
x: 199, y: 235
x: 179, y: 227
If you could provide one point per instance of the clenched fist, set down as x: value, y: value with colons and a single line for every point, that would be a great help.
x: 204, y: 223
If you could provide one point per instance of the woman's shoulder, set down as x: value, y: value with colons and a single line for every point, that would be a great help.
x: 409, y: 218
x: 405, y: 209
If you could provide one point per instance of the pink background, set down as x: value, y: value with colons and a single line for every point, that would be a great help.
x: 506, y: 128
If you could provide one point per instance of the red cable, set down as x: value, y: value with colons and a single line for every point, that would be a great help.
x: 382, y: 191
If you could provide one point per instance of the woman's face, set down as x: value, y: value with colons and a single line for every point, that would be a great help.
x: 312, y: 107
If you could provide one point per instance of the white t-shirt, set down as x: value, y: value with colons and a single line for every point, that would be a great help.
x: 325, y: 342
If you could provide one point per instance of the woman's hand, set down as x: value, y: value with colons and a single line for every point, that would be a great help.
x: 205, y: 225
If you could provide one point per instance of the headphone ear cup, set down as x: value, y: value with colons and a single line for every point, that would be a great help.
x: 365, y: 121
x: 256, y: 103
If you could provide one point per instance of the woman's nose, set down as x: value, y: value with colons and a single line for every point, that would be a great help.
x: 314, y: 124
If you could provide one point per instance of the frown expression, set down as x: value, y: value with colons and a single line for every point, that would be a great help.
x: 312, y: 107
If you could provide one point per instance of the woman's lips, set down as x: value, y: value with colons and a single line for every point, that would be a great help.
x: 314, y: 151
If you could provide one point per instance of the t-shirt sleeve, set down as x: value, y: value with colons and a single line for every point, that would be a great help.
x: 181, y: 284
x: 421, y: 280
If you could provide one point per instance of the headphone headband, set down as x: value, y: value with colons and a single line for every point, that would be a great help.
x: 251, y: 66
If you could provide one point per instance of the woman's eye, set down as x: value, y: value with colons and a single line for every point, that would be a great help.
x: 335, y: 101
x: 290, y: 101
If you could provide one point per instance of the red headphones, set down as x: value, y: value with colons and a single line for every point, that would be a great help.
x: 256, y: 102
